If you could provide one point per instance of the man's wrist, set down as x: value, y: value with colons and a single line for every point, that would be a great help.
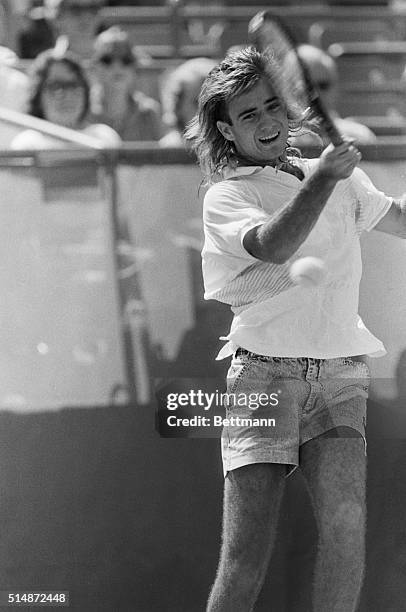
x: 325, y: 178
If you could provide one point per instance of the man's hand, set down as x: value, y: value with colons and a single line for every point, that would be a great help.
x: 338, y: 163
x: 278, y: 239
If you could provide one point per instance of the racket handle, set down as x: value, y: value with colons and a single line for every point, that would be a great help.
x: 327, y: 122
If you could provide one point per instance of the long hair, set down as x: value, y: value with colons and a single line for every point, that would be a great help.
x: 238, y: 73
x: 38, y: 75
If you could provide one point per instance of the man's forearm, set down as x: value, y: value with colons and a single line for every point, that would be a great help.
x: 394, y: 222
x: 278, y: 239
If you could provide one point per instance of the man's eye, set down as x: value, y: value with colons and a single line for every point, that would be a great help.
x: 249, y: 116
x: 274, y: 106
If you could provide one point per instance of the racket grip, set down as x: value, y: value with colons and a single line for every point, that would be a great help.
x: 327, y: 123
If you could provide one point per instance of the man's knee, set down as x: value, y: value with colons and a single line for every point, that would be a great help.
x: 346, y: 526
x: 247, y: 569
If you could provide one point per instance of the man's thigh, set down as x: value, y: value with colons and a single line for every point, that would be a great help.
x: 334, y: 466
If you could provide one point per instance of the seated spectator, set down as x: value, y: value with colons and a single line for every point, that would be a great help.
x: 37, y: 32
x: 77, y: 20
x: 115, y: 99
x: 59, y: 93
x: 180, y: 94
x: 323, y: 71
x: 14, y: 83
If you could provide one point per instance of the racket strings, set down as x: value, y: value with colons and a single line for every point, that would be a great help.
x: 274, y: 42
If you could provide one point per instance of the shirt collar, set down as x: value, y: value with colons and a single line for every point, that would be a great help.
x: 232, y: 171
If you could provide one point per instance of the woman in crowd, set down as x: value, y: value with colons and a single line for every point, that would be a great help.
x: 60, y: 93
x: 114, y: 97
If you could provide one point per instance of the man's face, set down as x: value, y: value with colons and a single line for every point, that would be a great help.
x: 115, y: 68
x: 258, y: 124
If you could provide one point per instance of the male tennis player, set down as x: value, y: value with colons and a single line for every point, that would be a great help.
x: 265, y: 209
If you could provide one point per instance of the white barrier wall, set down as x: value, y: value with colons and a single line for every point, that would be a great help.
x: 383, y: 287
x: 164, y: 208
x: 60, y: 336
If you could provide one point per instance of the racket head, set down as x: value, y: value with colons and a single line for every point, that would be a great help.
x: 269, y: 34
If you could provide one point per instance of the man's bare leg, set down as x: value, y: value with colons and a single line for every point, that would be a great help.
x: 335, y: 471
x: 252, y: 496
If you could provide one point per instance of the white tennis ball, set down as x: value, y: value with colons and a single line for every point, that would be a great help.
x: 307, y: 271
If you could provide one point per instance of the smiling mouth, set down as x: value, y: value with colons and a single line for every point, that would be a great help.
x: 269, y: 139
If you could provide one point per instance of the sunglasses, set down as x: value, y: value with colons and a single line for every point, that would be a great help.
x: 108, y: 60
x: 324, y: 85
x: 66, y: 86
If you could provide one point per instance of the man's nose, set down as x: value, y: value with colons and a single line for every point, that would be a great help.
x: 264, y: 119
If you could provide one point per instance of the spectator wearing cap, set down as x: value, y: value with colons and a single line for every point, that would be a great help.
x: 180, y: 93
x: 323, y: 71
x: 115, y: 99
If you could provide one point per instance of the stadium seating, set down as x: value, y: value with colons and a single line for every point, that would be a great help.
x: 326, y: 32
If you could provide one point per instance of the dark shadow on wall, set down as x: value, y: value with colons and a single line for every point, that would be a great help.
x: 94, y: 502
x: 385, y: 586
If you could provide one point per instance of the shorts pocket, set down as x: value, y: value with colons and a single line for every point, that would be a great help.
x: 354, y: 374
x: 362, y: 375
x: 236, y: 372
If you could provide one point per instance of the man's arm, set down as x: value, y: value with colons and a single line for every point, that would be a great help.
x: 394, y: 222
x: 278, y: 239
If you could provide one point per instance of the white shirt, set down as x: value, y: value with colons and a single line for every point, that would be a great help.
x: 273, y: 316
x: 14, y: 89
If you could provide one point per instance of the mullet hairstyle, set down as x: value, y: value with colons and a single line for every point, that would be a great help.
x: 238, y: 73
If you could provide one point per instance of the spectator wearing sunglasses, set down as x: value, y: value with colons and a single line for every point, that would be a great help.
x: 59, y: 93
x: 114, y: 97
x: 323, y: 71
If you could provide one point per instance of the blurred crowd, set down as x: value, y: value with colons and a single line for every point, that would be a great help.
x: 74, y: 75
x: 72, y: 71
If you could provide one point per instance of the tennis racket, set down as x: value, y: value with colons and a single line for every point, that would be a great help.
x: 269, y: 34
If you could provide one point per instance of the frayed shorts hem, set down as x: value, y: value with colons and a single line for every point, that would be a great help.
x: 291, y: 460
x: 318, y: 429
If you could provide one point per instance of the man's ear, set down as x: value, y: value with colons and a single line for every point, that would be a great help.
x: 225, y: 129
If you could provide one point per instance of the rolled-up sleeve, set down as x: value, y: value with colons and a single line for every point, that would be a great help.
x: 229, y: 212
x: 372, y: 204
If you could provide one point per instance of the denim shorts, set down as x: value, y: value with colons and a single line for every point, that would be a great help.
x: 276, y: 404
